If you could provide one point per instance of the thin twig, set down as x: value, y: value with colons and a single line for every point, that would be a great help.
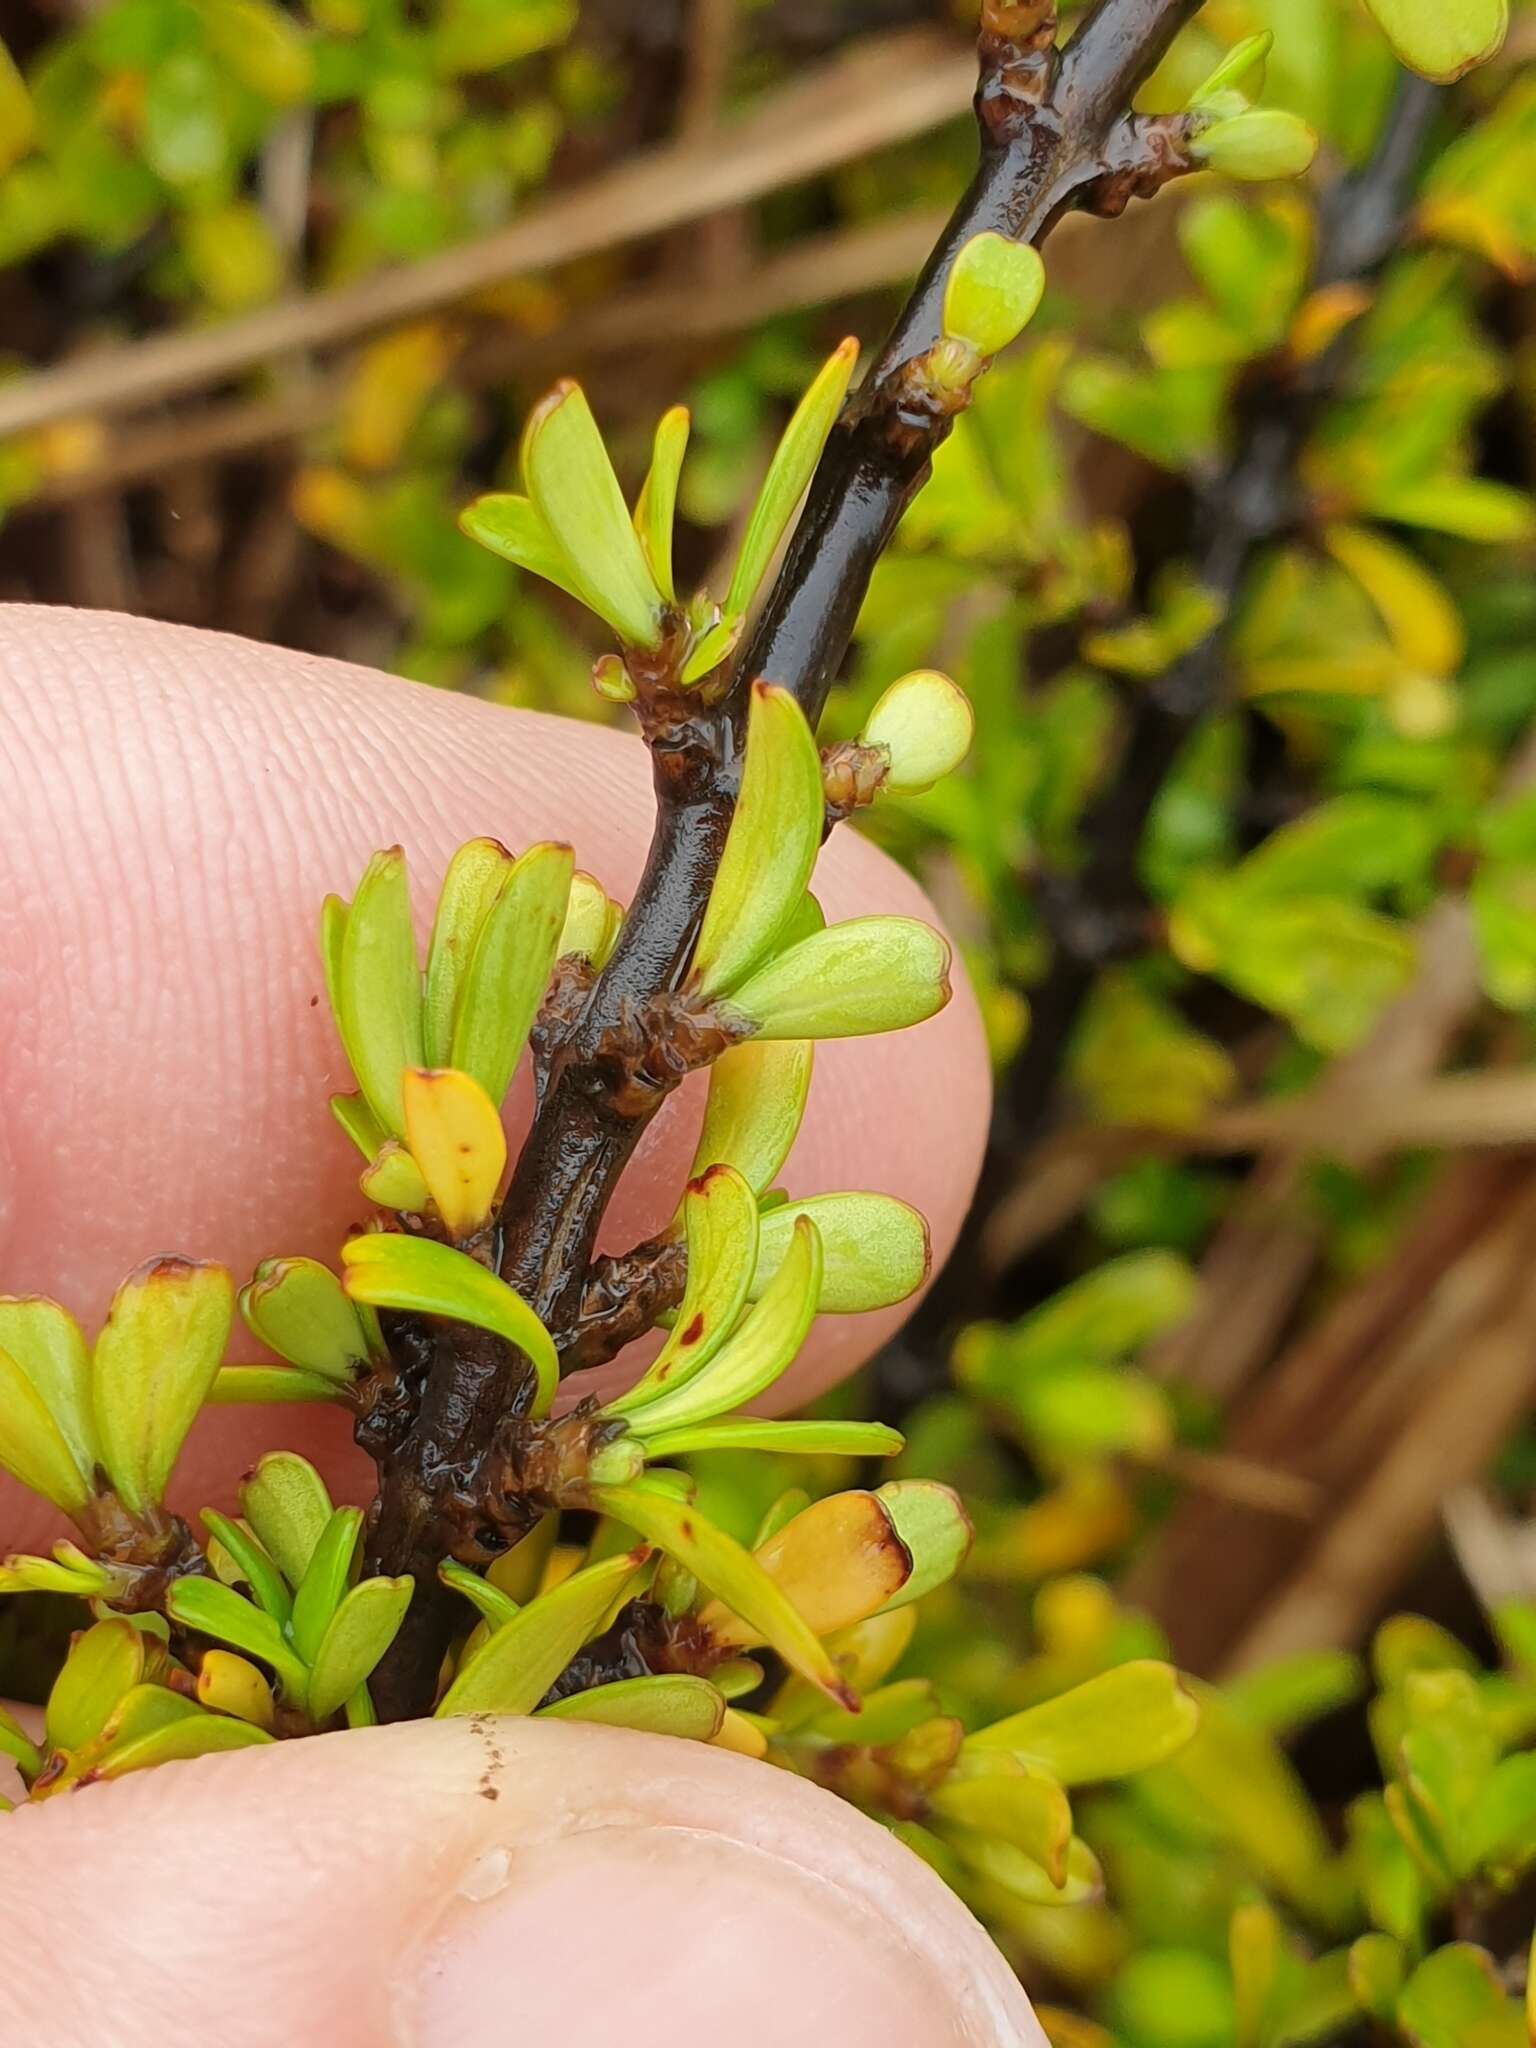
x: 1099, y: 914
x: 1041, y: 155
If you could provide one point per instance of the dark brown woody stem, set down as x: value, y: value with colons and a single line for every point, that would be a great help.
x: 1055, y: 135
x: 1099, y: 914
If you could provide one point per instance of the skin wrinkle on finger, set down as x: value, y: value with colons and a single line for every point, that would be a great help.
x: 361, y: 1901
x: 173, y: 807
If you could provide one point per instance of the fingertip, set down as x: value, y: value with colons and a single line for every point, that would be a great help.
x: 467, y: 1883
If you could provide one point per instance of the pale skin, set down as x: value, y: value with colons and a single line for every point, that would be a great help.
x: 173, y: 806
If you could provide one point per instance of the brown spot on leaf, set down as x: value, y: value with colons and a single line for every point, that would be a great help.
x: 694, y: 1331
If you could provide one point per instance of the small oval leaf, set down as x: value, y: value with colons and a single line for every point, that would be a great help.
x: 358, y: 1633
x: 793, y: 465
x: 571, y: 481
x: 510, y: 968
x: 752, y: 1116
x: 379, y: 987
x: 455, y: 1135
x: 299, y: 1309
x: 732, y: 1574
x: 870, y: 974
x: 513, y: 1670
x: 720, y: 1222
x: 669, y: 1704
x: 1444, y: 39
x: 412, y: 1273
x: 756, y: 1354
x: 875, y: 1249
x: 772, y: 845
x: 1124, y: 1720
x: 154, y: 1365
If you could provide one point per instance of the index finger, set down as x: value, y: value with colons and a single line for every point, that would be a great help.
x: 174, y: 806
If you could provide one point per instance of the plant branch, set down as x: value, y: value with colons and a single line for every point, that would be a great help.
x: 1054, y: 135
x: 1099, y: 914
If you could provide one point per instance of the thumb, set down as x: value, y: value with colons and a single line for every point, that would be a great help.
x: 474, y: 1884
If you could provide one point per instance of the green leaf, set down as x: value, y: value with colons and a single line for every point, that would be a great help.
x: 925, y: 725
x: 1454, y: 2000
x: 994, y: 290
x: 488, y: 1601
x: 513, y: 527
x: 252, y: 1562
x: 386, y: 1270
x: 755, y: 1355
x: 154, y: 1366
x: 1444, y: 39
x: 1263, y: 143
x: 1106, y: 1316
x: 720, y: 1222
x: 1472, y: 508
x: 1235, y: 1783
x: 771, y: 848
x: 476, y: 875
x: 571, y: 481
x: 1394, y: 1890
x: 689, y: 1708
x: 1237, y: 68
x: 1033, y: 1814
x: 18, y: 1746
x: 1023, y: 1878
x: 261, y: 47
x: 884, y: 1716
x: 18, y: 117
x: 1289, y: 1693
x: 1122, y: 1721
x: 241, y: 1386
x: 934, y: 1529
x: 790, y: 471
x: 1377, y: 1968
x: 46, y: 1342
x: 732, y: 1574
x: 299, y: 1309
x: 1499, y: 1826
x: 710, y: 649
x: 69, y: 1571
x: 868, y: 975
x: 656, y: 509
x: 788, y: 1439
x: 757, y: 1096
x: 324, y: 1585
x: 104, y: 1663
x: 192, y: 1735
x: 220, y: 1612
x: 32, y: 1447
x: 592, y: 921
x: 360, y: 1124
x: 358, y: 1633
x: 394, y: 1180
x: 511, y: 1672
x: 875, y: 1249
x: 334, y: 912
x: 379, y: 988
x: 510, y: 968
x: 286, y: 1503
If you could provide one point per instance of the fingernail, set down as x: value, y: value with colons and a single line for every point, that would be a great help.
x: 630, y: 1937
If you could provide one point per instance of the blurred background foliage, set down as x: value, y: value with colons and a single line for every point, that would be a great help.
x: 1236, y: 1360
